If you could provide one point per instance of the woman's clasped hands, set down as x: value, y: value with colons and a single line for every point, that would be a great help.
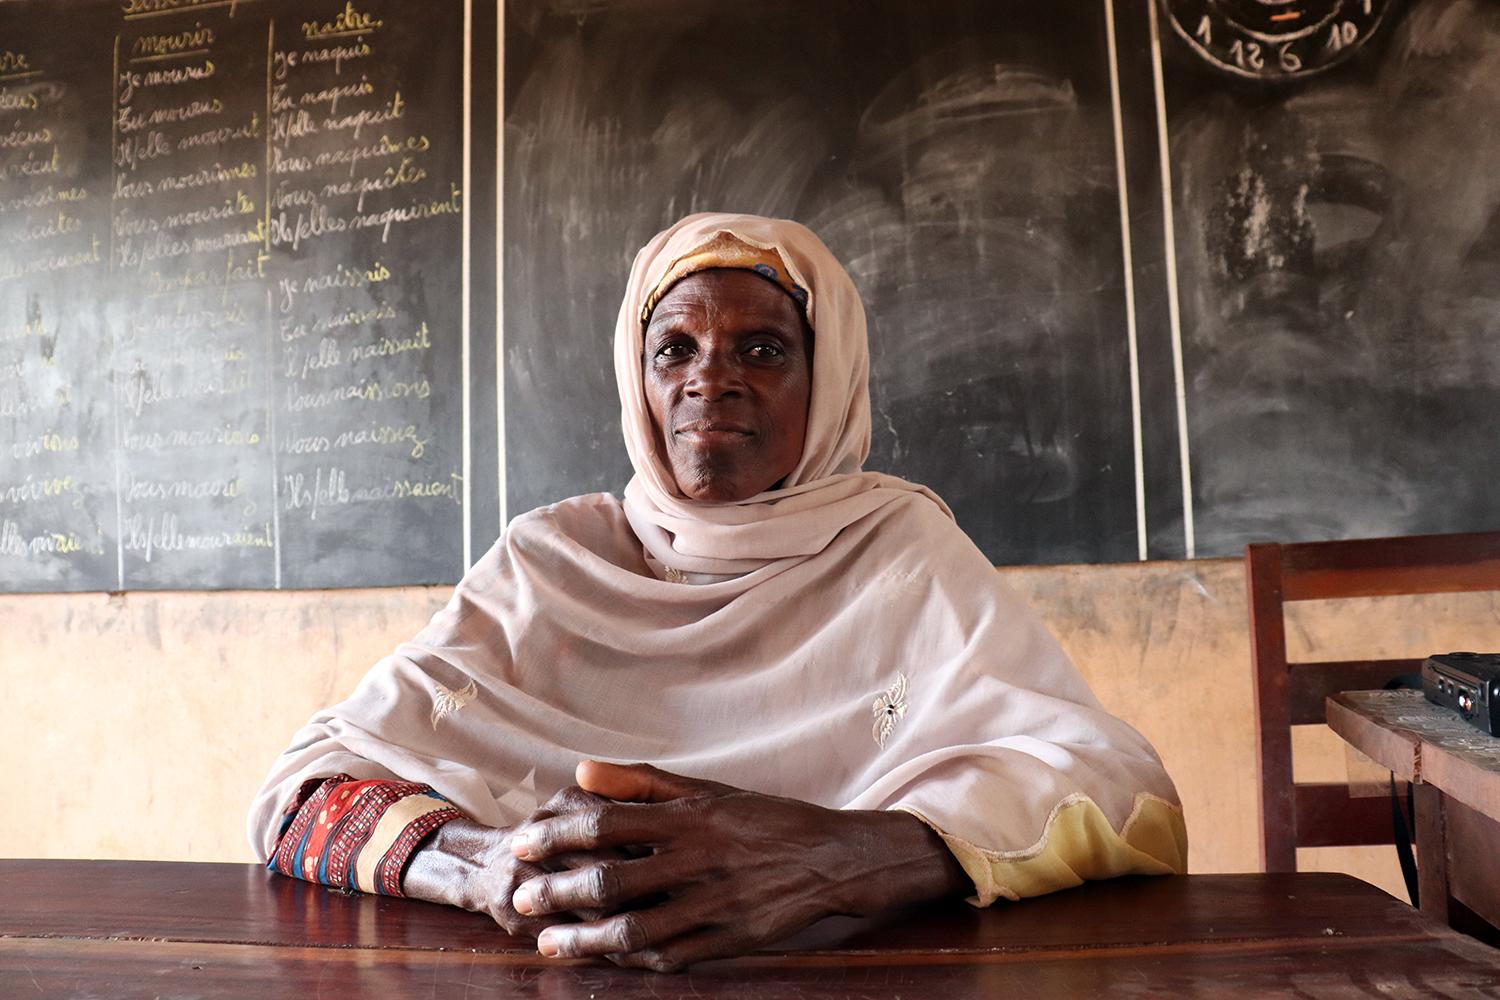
x: 655, y: 870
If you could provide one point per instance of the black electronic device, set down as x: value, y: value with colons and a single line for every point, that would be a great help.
x: 1468, y: 683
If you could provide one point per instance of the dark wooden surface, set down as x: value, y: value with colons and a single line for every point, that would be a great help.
x: 1457, y: 773
x: 144, y: 930
x: 1294, y: 694
x: 1419, y: 564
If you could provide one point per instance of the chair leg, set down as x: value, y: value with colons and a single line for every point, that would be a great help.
x: 1432, y: 850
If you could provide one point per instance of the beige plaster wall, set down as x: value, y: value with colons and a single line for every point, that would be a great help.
x: 140, y: 725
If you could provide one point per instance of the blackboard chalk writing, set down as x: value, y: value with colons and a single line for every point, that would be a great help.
x: 162, y: 45
x: 14, y: 62
x: 18, y: 101
x: 384, y: 146
x: 404, y: 488
x: 365, y: 118
x: 343, y: 277
x: 388, y: 346
x: 151, y: 146
x: 327, y: 356
x: 180, y: 489
x: 329, y: 95
x: 308, y: 226
x: 282, y: 197
x: 206, y: 177
x: 13, y: 369
x: 289, y: 125
x: 33, y: 490
x: 149, y: 538
x: 219, y: 136
x: 373, y: 435
x: 13, y: 404
x: 132, y: 189
x: 231, y: 209
x: 353, y: 317
x: 283, y: 164
x: 194, y: 319
x: 338, y: 55
x: 17, y: 139
x: 46, y: 196
x: 133, y: 80
x: 383, y: 435
x: 366, y: 390
x: 394, y: 177
x: 453, y: 205
x: 46, y: 442
x: 347, y: 23
x: 52, y: 262
x: 142, y: 8
x: 13, y: 543
x: 59, y: 226
x: 127, y: 120
x: 322, y: 493
x: 145, y: 389
x: 305, y: 445
x: 33, y: 166
x: 226, y: 436
x: 292, y: 330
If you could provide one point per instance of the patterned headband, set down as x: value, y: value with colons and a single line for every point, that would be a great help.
x: 725, y: 249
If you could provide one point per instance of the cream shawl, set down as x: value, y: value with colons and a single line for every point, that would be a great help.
x: 838, y: 640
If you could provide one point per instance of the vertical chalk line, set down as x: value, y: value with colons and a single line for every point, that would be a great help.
x: 467, y: 217
x: 119, y: 489
x: 500, y: 256
x: 271, y: 321
x: 1137, y: 441
x: 115, y: 372
x: 1174, y: 310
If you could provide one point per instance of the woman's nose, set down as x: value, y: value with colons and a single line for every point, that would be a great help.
x: 713, y: 375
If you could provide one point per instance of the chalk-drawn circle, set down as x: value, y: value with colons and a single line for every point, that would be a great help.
x: 1275, y: 39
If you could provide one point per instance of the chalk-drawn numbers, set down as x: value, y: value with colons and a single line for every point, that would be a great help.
x: 1275, y: 39
x: 1247, y: 56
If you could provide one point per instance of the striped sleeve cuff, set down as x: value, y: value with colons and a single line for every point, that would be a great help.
x: 357, y: 834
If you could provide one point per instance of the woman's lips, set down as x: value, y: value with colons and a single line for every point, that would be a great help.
x: 711, y: 433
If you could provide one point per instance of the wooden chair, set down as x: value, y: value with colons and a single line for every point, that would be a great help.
x: 1287, y: 695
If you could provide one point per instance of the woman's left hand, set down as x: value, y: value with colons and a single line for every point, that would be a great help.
x: 737, y: 869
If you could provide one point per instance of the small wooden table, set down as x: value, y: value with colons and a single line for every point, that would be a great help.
x: 1455, y: 774
x: 128, y: 930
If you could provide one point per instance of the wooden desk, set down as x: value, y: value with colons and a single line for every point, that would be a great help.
x: 1455, y: 771
x: 131, y: 930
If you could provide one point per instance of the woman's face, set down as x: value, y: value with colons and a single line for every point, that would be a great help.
x: 728, y: 376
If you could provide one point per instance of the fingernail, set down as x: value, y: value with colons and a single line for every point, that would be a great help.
x: 520, y: 845
x: 547, y: 944
x: 521, y: 900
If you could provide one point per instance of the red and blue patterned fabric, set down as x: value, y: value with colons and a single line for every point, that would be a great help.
x: 357, y: 834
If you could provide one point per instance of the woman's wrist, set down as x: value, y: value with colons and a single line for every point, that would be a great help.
x: 897, y: 860
x: 451, y: 865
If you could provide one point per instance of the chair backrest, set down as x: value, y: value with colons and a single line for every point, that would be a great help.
x: 1287, y: 695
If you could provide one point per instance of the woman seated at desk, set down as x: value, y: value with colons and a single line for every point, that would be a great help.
x: 843, y: 707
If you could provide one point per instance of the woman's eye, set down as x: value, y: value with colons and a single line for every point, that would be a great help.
x: 765, y: 352
x: 672, y: 351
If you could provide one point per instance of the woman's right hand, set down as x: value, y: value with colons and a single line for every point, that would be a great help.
x: 466, y: 864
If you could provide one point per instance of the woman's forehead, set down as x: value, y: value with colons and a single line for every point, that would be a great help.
x: 722, y: 289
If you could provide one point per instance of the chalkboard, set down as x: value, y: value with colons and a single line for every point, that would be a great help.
x: 1338, y: 252
x: 958, y: 157
x: 231, y: 292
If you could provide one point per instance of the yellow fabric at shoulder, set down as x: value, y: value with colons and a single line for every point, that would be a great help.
x: 1078, y: 844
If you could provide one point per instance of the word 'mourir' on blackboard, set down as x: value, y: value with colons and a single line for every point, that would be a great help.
x: 229, y: 294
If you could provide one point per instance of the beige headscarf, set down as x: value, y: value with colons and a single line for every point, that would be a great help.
x: 826, y: 491
x: 838, y: 641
